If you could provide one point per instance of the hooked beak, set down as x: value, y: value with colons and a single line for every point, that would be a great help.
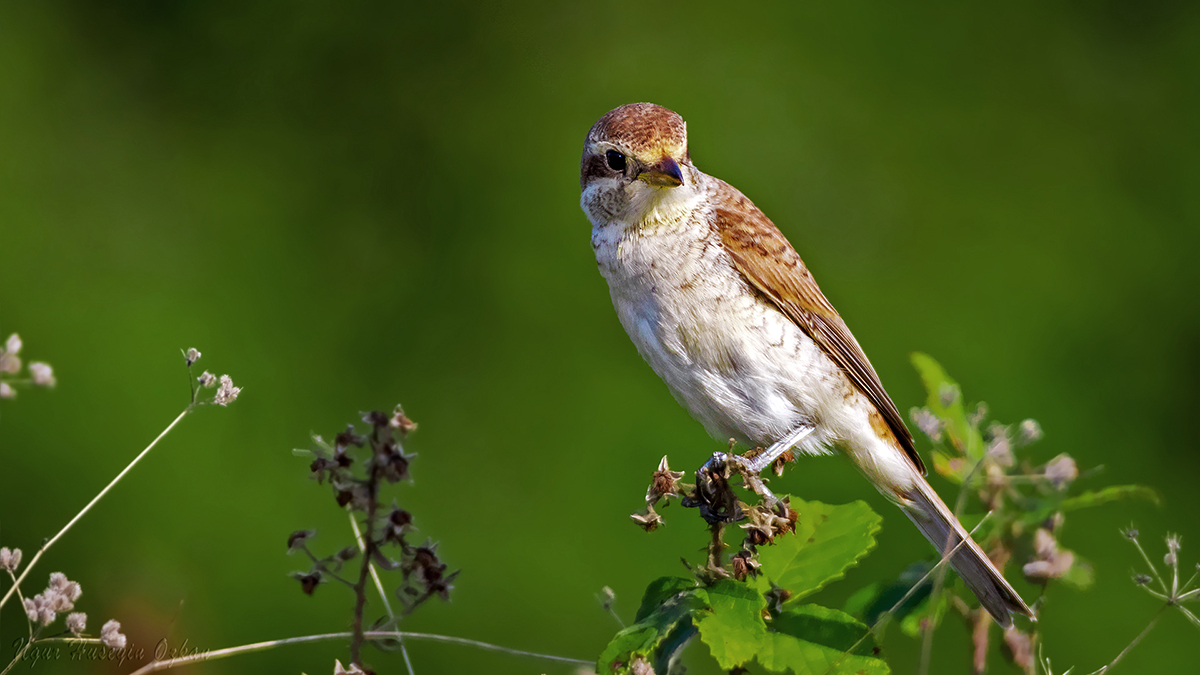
x: 664, y: 174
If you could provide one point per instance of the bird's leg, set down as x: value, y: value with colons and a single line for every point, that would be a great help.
x: 756, y: 464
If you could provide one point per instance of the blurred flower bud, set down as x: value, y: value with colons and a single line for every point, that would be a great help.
x: 110, y: 635
x: 10, y: 559
x: 13, y: 344
x: 929, y: 423
x: 1061, y: 471
x: 193, y: 355
x: 42, y: 374
x: 7, y: 391
x: 1029, y: 432
x: 77, y: 623
x: 948, y: 394
x: 1141, y: 579
x: 207, y: 380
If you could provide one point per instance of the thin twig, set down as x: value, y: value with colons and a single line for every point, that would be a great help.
x: 369, y: 635
x: 45, y: 547
x: 362, y: 546
x: 1150, y: 565
x: 1135, y: 642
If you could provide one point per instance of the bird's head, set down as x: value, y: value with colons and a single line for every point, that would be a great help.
x: 634, y: 155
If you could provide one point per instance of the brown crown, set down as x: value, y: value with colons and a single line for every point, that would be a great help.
x: 645, y: 129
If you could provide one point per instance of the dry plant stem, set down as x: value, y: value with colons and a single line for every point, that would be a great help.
x: 716, y: 547
x: 45, y: 547
x: 1135, y: 642
x: 362, y: 546
x: 369, y: 635
x: 360, y: 588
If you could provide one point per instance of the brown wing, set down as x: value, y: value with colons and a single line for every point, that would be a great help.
x: 765, y: 257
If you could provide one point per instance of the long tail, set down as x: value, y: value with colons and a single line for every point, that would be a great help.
x: 942, y: 529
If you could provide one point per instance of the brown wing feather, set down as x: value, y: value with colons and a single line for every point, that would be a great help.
x: 765, y: 257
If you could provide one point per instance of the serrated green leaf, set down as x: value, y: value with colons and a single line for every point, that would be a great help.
x: 825, y: 626
x: 658, y: 636
x: 1111, y: 493
x: 659, y: 591
x: 811, y: 639
x: 827, y: 541
x: 734, y: 628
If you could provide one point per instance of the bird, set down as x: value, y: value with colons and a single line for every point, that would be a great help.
x: 724, y: 310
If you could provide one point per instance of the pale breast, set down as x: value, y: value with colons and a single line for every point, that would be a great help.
x: 741, y: 367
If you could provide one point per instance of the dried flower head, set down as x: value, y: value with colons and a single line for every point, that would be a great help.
x: 110, y: 635
x: 296, y: 539
x: 42, y: 374
x: 192, y: 356
x: 339, y: 669
x: 10, y: 559
x: 648, y: 521
x: 400, y: 422
x: 77, y: 623
x: 664, y: 482
x: 207, y: 380
x: 226, y: 393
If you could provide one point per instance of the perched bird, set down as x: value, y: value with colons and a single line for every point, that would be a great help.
x: 723, y: 309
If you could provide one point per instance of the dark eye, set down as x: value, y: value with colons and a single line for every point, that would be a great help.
x: 616, y: 161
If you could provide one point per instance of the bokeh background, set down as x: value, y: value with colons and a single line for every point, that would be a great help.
x: 351, y: 205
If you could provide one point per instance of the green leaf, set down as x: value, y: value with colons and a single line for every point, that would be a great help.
x: 815, y: 640
x: 863, y: 598
x: 1109, y: 494
x: 659, y: 591
x: 824, y: 626
x: 734, y: 630
x: 827, y: 541
x: 658, y: 636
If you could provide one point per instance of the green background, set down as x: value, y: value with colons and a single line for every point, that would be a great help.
x: 346, y: 206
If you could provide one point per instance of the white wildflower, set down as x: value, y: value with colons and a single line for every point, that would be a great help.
x: 193, y: 355
x: 226, y: 393
x: 77, y: 623
x: 207, y: 379
x: 10, y: 559
x: 6, y: 391
x: 13, y: 344
x: 110, y: 635
x: 9, y: 363
x: 42, y: 374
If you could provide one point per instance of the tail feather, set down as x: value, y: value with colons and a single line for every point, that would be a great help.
x: 942, y: 529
